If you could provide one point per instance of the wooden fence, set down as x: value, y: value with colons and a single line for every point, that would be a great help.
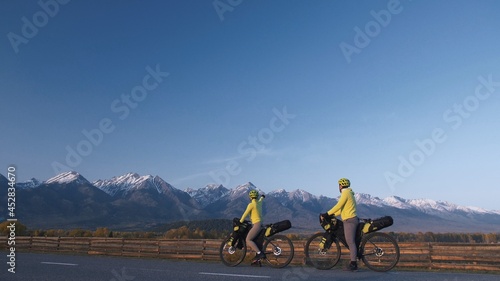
x: 435, y: 256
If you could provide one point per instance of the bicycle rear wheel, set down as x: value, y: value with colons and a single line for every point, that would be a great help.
x: 379, y: 251
x: 321, y: 258
x: 279, y: 250
x: 231, y: 255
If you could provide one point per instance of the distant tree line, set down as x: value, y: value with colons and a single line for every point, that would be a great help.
x: 213, y: 225
x: 447, y: 237
x: 22, y: 230
x: 217, y: 229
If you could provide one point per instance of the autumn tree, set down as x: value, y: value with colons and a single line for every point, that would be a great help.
x: 19, y: 229
x: 101, y: 232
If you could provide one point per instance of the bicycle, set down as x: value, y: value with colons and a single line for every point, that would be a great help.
x: 379, y: 251
x: 279, y: 249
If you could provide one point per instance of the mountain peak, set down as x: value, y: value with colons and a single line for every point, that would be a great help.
x: 242, y: 189
x: 214, y: 186
x: 397, y: 202
x: 246, y: 186
x: 126, y: 179
x: 278, y: 192
x: 32, y: 183
x: 367, y: 199
x: 131, y: 175
x: 68, y: 177
x: 301, y: 195
x: 208, y: 194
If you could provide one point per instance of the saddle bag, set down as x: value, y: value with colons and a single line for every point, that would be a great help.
x: 377, y: 224
x: 278, y: 227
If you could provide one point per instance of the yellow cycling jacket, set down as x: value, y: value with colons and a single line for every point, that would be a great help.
x: 346, y: 207
x: 254, y: 209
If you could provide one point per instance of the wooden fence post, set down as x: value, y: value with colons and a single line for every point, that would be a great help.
x: 430, y: 256
x: 90, y: 243
x: 122, y: 246
x: 158, y: 247
x: 203, y: 242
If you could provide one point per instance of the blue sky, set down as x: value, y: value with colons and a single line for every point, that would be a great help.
x: 262, y: 91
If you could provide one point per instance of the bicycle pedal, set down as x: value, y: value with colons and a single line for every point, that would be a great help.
x: 256, y: 263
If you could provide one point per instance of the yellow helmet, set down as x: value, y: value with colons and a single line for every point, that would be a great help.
x: 253, y: 194
x: 344, y: 182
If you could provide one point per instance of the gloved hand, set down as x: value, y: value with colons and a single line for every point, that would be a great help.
x: 323, y: 216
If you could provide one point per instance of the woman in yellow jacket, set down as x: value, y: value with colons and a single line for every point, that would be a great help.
x: 254, y: 209
x: 346, y: 208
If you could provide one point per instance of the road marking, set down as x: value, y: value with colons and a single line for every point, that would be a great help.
x: 234, y: 275
x: 59, y: 263
x: 152, y: 269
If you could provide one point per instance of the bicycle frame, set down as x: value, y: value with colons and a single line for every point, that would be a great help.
x: 378, y: 251
x: 338, y: 234
x: 279, y: 249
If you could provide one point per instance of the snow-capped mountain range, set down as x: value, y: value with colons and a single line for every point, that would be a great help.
x: 132, y: 200
x: 129, y: 182
x: 208, y: 194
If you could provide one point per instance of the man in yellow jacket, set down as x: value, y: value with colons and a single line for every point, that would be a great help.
x: 346, y: 208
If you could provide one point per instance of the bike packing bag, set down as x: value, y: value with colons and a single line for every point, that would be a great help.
x: 239, y: 232
x: 378, y: 224
x: 240, y: 227
x: 326, y: 241
x: 278, y: 227
x: 329, y: 223
x: 233, y: 239
x: 240, y: 244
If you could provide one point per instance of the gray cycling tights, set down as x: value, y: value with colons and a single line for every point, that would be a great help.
x: 350, y: 226
x: 252, y: 233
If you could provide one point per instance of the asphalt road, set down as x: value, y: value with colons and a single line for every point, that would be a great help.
x: 54, y: 267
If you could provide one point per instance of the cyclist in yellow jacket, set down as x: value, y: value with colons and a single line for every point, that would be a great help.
x: 346, y: 208
x: 254, y: 209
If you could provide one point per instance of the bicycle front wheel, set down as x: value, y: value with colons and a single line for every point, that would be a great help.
x: 379, y: 251
x: 232, y: 255
x: 319, y: 257
x: 279, y: 250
